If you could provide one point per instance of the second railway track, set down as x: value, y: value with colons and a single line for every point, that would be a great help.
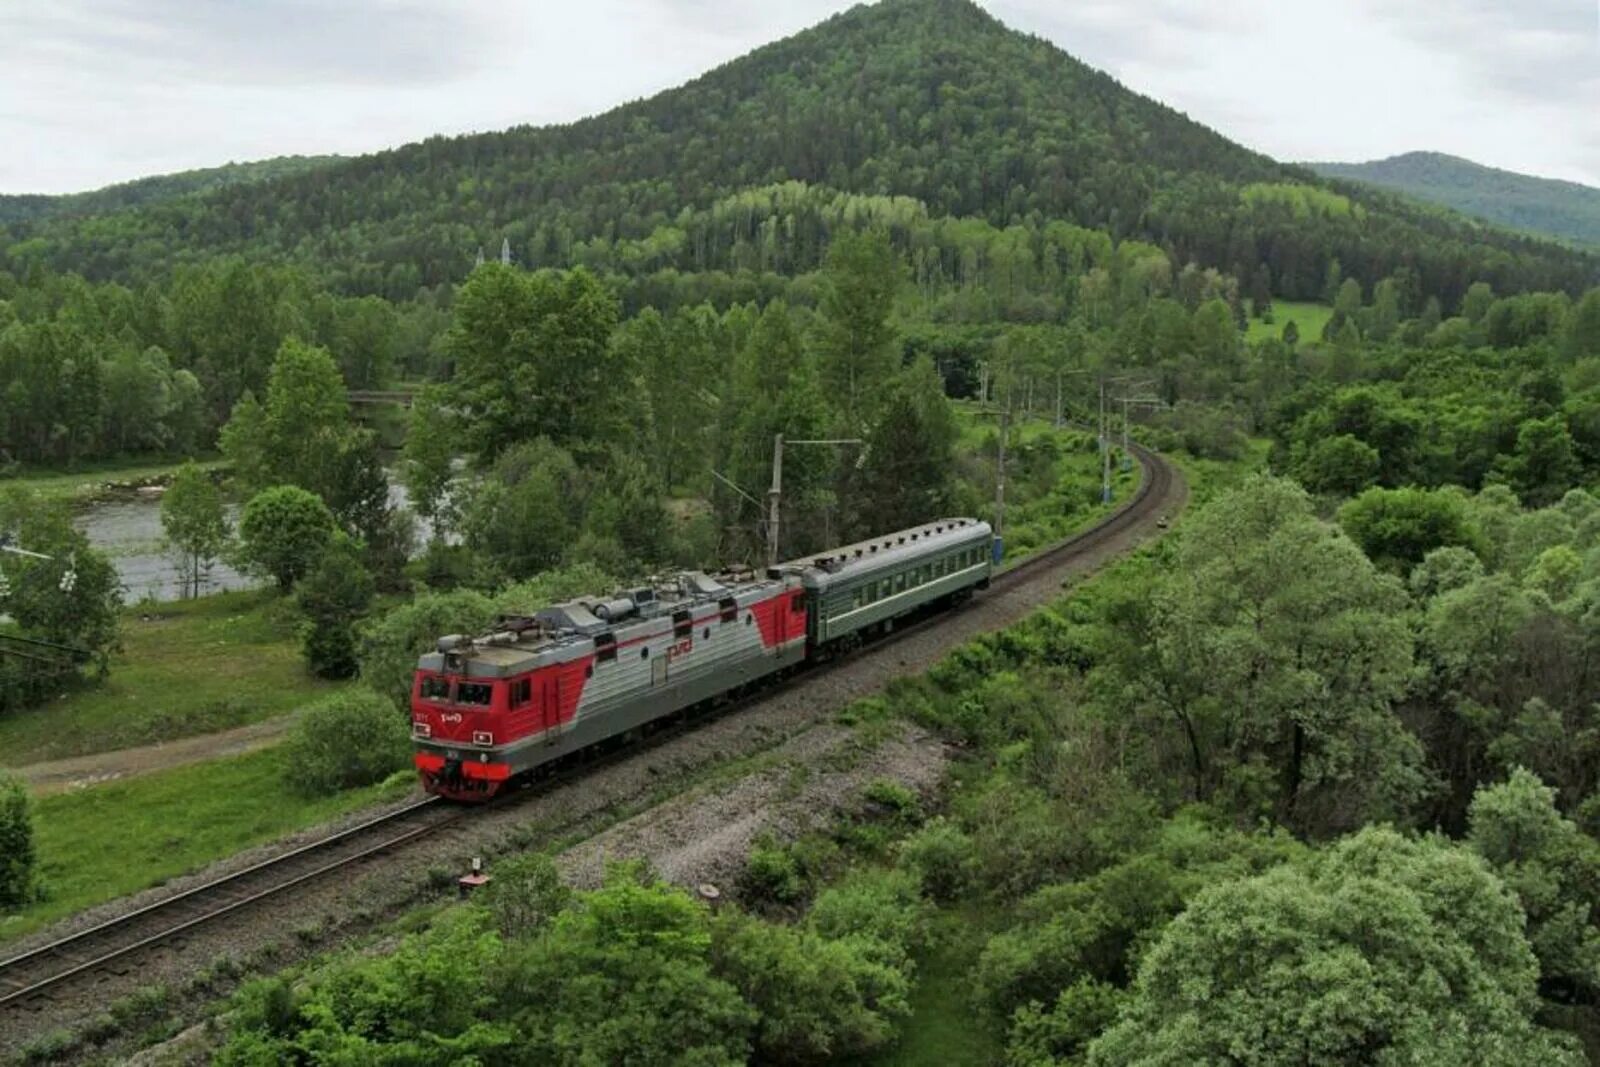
x: 36, y: 976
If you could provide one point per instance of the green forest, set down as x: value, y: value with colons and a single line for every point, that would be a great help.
x: 1566, y: 211
x: 1314, y: 777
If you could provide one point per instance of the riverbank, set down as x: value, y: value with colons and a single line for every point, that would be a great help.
x: 93, y: 481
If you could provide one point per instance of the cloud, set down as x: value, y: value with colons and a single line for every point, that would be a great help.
x: 257, y: 42
x: 95, y: 91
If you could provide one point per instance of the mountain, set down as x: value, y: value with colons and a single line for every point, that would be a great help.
x: 29, y: 207
x: 1565, y: 210
x: 931, y: 102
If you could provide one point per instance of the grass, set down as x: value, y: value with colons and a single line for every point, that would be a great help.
x: 186, y: 668
x: 109, y: 840
x: 86, y: 479
x: 945, y: 1028
x: 1308, y: 318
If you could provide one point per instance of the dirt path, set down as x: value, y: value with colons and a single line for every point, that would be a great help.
x: 60, y: 776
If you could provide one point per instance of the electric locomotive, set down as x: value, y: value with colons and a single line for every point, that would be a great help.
x: 538, y: 687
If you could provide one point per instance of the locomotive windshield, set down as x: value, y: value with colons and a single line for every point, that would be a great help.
x: 437, y: 687
x: 474, y: 693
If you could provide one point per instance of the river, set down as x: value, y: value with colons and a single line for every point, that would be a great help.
x: 127, y: 527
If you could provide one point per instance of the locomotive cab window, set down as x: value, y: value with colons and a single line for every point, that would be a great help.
x: 730, y: 609
x: 682, y: 624
x: 435, y: 688
x: 479, y: 693
x: 605, y: 648
x: 521, y: 691
x: 797, y: 605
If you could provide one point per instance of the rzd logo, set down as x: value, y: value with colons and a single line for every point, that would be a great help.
x: 450, y: 716
x: 682, y: 648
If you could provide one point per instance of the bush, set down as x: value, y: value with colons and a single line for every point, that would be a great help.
x: 349, y: 740
x: 882, y: 909
x: 16, y: 844
x: 942, y: 858
x: 819, y: 1001
x: 1041, y: 1038
x: 525, y: 894
x: 771, y: 875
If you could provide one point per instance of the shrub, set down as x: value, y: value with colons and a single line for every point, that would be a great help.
x: 942, y: 858
x: 16, y: 844
x: 349, y: 740
x: 526, y: 894
x: 883, y: 909
x: 771, y: 875
x: 819, y: 1001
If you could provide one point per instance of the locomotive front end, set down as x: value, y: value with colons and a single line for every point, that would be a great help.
x: 457, y: 708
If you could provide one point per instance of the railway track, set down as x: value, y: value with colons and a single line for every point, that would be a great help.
x: 105, y: 945
x: 34, y: 977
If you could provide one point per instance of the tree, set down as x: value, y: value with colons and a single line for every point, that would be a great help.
x: 282, y: 533
x: 1583, y: 327
x: 16, y: 844
x: 195, y: 525
x: 854, y: 336
x: 1545, y: 464
x: 522, y: 516
x: 1398, y: 527
x: 818, y: 1000
x: 1383, y: 950
x: 345, y: 741
x: 1342, y: 464
x: 904, y: 476
x: 72, y: 598
x: 427, y: 460
x: 1385, y: 318
x: 533, y: 358
x: 1553, y: 868
x: 1277, y: 650
x: 332, y: 598
x: 1477, y: 301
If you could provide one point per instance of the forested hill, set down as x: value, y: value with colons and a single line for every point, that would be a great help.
x: 28, y: 207
x: 929, y: 100
x: 1566, y: 210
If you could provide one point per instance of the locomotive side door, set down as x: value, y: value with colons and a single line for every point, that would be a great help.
x: 551, y: 709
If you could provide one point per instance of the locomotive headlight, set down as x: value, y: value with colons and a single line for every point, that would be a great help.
x: 422, y: 729
x: 482, y: 737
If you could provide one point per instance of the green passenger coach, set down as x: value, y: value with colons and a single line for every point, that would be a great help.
x: 864, y: 587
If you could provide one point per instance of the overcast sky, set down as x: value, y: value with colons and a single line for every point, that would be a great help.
x: 98, y: 91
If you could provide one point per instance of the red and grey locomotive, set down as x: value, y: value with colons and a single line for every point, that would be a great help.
x: 486, y: 709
